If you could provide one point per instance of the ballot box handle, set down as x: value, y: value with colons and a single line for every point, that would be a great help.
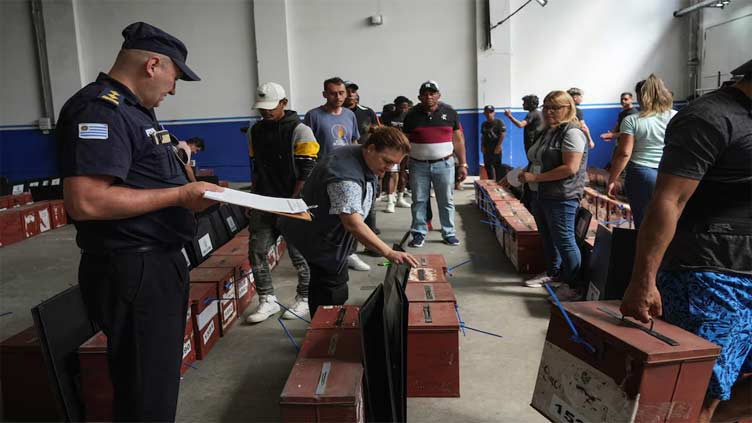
x: 428, y: 290
x: 427, y: 313
x: 636, y: 325
x: 326, y: 368
x: 340, y: 317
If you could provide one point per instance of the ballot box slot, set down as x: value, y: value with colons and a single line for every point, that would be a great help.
x: 340, y: 317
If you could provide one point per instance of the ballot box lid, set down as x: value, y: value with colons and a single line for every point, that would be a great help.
x: 315, y: 380
x: 336, y: 316
x: 426, y: 274
x: 432, y: 316
x: 430, y: 292
x: 593, y: 319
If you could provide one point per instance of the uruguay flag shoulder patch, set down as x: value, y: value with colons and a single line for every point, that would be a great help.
x: 93, y: 131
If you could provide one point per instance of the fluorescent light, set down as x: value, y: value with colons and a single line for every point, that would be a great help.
x: 542, y: 2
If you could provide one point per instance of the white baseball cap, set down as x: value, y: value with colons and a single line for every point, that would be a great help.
x: 268, y: 96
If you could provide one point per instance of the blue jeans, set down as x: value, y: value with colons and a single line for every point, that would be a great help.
x: 422, y: 175
x: 639, y: 184
x: 555, y: 220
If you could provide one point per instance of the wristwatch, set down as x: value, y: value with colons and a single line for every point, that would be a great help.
x: 463, y: 165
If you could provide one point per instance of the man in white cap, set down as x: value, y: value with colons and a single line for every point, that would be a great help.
x: 283, y: 153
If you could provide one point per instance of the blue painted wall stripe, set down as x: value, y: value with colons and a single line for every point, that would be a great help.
x: 26, y: 153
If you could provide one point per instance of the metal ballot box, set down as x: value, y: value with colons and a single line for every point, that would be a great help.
x: 433, y: 355
x: 334, y: 334
x: 619, y: 370
x: 323, y: 391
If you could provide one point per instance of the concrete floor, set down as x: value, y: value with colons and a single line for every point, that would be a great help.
x: 243, y: 376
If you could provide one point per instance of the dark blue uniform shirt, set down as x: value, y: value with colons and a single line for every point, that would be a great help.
x: 104, y: 130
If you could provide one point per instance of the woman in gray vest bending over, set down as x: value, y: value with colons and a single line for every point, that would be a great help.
x: 557, y: 177
x: 342, y: 185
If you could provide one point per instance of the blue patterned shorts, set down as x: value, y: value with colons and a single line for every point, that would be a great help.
x: 717, y: 307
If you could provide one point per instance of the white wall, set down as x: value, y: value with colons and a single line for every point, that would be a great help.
x: 220, y: 41
x: 419, y: 40
x: 20, y: 90
x: 726, y: 40
x: 603, y: 47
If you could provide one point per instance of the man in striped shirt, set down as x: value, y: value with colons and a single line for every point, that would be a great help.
x: 435, y: 135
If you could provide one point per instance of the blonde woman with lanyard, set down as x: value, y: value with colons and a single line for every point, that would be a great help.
x: 557, y: 177
x: 640, y: 146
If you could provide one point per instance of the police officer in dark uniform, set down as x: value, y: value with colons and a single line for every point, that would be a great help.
x: 132, y: 206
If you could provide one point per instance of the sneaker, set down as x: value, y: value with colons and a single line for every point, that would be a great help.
x: 299, y: 307
x: 418, y: 240
x: 537, y: 281
x: 452, y: 240
x: 390, y: 204
x: 384, y: 197
x: 356, y: 263
x: 267, y: 307
x: 566, y: 294
x: 430, y: 226
x: 401, y: 202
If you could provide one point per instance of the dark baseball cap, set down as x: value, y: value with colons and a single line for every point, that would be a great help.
x: 142, y: 36
x: 401, y: 99
x: 428, y: 85
x: 742, y: 70
x: 489, y: 108
x: 351, y: 85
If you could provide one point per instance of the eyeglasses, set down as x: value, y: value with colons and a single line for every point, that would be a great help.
x: 554, y: 107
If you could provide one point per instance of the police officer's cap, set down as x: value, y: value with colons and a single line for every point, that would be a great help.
x: 142, y: 36
x: 743, y: 70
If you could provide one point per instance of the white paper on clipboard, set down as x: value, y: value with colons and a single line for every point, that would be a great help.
x: 258, y: 202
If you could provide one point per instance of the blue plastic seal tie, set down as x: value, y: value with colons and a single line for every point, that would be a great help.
x: 612, y: 222
x: 459, y: 318
x: 190, y: 365
x: 483, y: 332
x: 6, y: 313
x: 459, y: 264
x: 291, y: 312
x: 289, y: 335
x: 575, y: 334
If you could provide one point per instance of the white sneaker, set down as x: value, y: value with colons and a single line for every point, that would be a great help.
x: 384, y: 197
x: 537, y: 281
x: 300, y: 308
x: 390, y: 204
x: 401, y: 202
x: 355, y: 263
x: 267, y: 307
